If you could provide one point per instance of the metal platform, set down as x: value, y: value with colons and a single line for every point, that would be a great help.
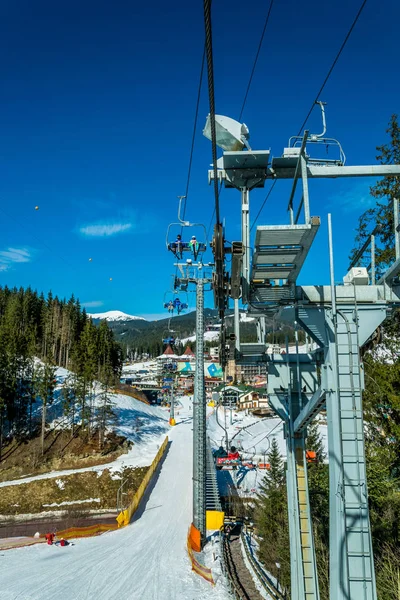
x: 280, y: 251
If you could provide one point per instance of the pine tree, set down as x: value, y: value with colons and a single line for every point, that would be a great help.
x: 271, y: 517
x: 384, y: 191
x: 46, y: 383
x: 275, y: 475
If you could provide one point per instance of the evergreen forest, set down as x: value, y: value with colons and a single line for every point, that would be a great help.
x: 36, y: 335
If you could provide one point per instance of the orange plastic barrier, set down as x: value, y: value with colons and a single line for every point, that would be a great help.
x: 200, y: 569
x: 194, y: 538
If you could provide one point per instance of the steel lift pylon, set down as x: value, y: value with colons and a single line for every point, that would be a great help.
x: 339, y: 319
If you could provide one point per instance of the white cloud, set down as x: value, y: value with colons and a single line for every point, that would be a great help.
x: 13, y: 255
x: 105, y: 229
x: 93, y: 303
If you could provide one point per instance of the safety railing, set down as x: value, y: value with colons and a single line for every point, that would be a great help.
x: 261, y: 575
x: 125, y: 516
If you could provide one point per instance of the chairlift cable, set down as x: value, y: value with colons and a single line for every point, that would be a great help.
x: 263, y: 204
x: 194, y: 132
x: 318, y: 94
x: 317, y: 97
x: 196, y: 114
x: 256, y: 59
x: 211, y: 97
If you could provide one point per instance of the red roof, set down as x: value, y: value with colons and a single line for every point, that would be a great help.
x: 168, y: 351
x: 188, y: 352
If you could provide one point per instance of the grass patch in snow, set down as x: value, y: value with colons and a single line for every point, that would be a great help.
x: 36, y: 496
x: 61, y: 452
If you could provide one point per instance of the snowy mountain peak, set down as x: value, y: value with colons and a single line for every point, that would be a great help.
x: 115, y: 315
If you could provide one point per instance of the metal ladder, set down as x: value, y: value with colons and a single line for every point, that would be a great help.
x: 352, y: 487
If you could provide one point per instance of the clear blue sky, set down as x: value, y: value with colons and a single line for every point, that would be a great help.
x: 96, y: 116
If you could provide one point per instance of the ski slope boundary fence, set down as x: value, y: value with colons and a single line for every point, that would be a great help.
x: 77, y: 532
x: 125, y: 516
x: 68, y: 534
x: 197, y: 567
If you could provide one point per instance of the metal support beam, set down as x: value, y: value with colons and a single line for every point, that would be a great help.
x: 306, y: 200
x: 363, y: 248
x: 261, y: 330
x: 296, y: 176
x: 310, y: 410
x: 199, y: 421
x: 303, y: 566
x: 326, y: 172
x: 236, y: 317
x: 373, y: 273
x: 246, y: 244
x: 396, y: 227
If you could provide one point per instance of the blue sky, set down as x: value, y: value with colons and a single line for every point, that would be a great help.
x: 97, y: 107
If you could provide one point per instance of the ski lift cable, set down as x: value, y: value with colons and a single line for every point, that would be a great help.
x: 194, y: 132
x: 211, y: 98
x: 256, y: 59
x: 346, y: 39
x: 333, y: 65
x: 196, y: 114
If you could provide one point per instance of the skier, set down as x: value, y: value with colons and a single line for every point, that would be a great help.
x: 220, y: 453
x: 177, y: 304
x: 194, y: 246
x: 233, y: 454
x: 50, y: 538
x: 177, y: 246
x: 64, y: 542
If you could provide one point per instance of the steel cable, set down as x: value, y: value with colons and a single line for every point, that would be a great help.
x: 319, y: 93
x: 256, y: 58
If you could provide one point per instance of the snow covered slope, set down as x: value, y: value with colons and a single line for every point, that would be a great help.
x: 209, y: 336
x: 146, y: 426
x: 115, y: 315
x: 147, y: 560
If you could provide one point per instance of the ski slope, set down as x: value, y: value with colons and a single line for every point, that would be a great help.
x: 145, y: 561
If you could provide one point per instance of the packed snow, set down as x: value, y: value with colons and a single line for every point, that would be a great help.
x: 115, y: 315
x: 71, y: 502
x: 147, y: 560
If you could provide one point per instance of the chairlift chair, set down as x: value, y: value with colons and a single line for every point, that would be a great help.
x: 176, y: 304
x: 318, y: 140
x: 177, y: 245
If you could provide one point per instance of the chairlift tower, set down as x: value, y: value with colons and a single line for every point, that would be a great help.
x: 243, y: 170
x: 339, y: 319
x: 194, y: 274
